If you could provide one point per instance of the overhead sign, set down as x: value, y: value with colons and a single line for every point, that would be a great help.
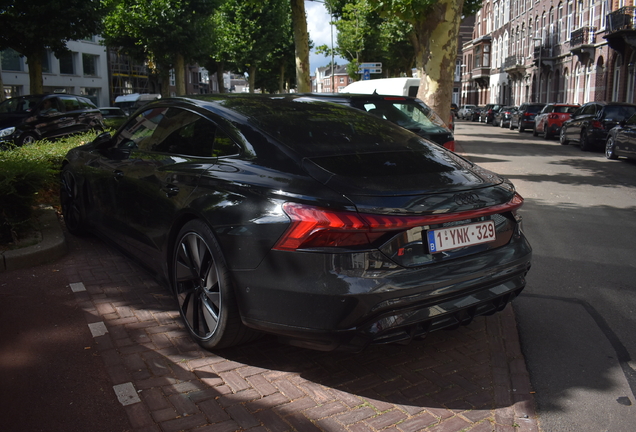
x: 370, y: 65
x: 370, y: 70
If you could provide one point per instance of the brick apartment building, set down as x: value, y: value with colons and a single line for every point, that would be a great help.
x: 551, y: 51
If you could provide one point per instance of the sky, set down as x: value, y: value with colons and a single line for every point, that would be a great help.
x: 320, y: 33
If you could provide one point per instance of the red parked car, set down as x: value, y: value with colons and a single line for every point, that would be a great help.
x: 549, y: 121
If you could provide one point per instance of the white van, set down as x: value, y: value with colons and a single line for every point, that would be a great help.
x: 385, y: 86
x: 129, y: 103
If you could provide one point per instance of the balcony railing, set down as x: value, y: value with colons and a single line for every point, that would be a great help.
x: 583, y: 36
x: 514, y: 61
x: 621, y: 19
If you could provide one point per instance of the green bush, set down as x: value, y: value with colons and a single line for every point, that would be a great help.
x: 28, y: 175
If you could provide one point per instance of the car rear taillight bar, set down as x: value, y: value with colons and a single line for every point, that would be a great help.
x: 315, y: 227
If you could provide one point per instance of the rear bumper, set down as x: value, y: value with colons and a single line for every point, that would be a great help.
x: 348, y: 301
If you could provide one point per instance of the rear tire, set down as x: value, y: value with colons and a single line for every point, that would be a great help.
x: 585, y: 142
x: 521, y: 129
x: 203, y: 289
x: 546, y: 133
x: 534, y: 131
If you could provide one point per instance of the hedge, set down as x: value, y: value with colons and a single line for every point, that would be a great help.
x: 29, y: 175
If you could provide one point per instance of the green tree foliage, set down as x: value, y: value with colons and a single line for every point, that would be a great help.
x: 32, y: 26
x: 168, y: 32
x: 247, y: 35
x: 365, y: 36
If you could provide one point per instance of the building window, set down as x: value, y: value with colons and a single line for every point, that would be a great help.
x: 11, y: 60
x: 172, y: 78
x: 89, y: 63
x: 618, y: 64
x: 67, y: 66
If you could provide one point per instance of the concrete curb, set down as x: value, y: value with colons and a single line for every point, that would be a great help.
x: 52, y: 246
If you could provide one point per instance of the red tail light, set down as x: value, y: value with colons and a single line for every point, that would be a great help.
x: 314, y: 227
x: 597, y: 124
x: 527, y: 114
x: 450, y: 145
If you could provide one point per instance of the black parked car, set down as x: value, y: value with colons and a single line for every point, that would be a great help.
x: 113, y: 116
x: 621, y: 140
x: 502, y: 117
x: 590, y: 124
x: 313, y: 221
x: 523, y: 117
x: 409, y: 112
x: 25, y: 119
x: 487, y: 114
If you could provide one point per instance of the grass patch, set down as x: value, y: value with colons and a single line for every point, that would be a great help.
x: 29, y: 176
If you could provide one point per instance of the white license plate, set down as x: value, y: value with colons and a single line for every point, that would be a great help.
x: 443, y: 239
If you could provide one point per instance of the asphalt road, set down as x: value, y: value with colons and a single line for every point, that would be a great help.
x: 577, y: 316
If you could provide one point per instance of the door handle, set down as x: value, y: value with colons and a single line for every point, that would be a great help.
x: 170, y: 190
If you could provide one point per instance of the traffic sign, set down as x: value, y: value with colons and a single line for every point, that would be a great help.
x: 370, y: 70
x: 370, y: 65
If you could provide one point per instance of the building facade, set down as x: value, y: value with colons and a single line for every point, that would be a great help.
x: 572, y: 51
x: 82, y: 71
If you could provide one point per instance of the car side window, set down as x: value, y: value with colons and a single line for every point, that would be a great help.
x: 186, y: 133
x: 631, y: 121
x: 589, y: 109
x: 140, y: 129
x: 69, y: 103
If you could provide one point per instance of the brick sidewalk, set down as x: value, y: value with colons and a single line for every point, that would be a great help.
x: 470, y: 379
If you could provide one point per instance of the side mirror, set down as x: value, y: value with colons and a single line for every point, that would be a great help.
x: 102, y: 140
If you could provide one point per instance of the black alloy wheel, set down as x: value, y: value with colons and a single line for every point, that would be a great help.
x: 27, y: 138
x: 202, y: 288
x: 610, y: 149
x: 585, y: 141
x: 72, y: 203
x: 562, y: 139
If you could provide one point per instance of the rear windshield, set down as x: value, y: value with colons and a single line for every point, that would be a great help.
x: 618, y: 112
x: 565, y: 109
x: 534, y: 108
x: 318, y: 129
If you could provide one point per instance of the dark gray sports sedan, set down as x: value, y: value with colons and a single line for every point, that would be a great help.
x: 313, y: 221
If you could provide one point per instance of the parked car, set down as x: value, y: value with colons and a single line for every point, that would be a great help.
x: 313, y: 221
x: 621, y: 140
x: 465, y: 112
x: 523, y: 117
x: 502, y: 117
x: 590, y: 124
x: 408, y: 112
x: 476, y: 113
x: 549, y: 121
x: 113, y: 116
x: 25, y: 119
x: 454, y: 109
x: 487, y: 114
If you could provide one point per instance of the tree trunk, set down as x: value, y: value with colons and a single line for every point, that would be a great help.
x: 301, y: 43
x: 252, y: 77
x: 219, y: 77
x: 2, y: 98
x: 435, y: 42
x: 164, y: 81
x: 36, y: 85
x: 281, y: 79
x: 179, y: 74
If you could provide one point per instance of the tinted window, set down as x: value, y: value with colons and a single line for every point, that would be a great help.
x: 18, y: 105
x: 565, y: 109
x: 631, y: 121
x: 588, y: 109
x: 140, y: 129
x: 618, y: 113
x: 69, y: 103
x: 409, y: 116
x: 533, y: 108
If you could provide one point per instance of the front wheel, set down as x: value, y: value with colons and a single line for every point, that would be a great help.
x: 27, y: 138
x: 521, y: 129
x: 610, y: 149
x: 546, y: 133
x: 562, y: 139
x: 72, y: 203
x: 203, y: 289
x: 535, y: 132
